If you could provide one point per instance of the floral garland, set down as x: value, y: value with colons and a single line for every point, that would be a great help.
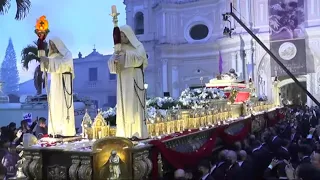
x: 110, y: 115
x: 263, y: 97
x: 162, y: 106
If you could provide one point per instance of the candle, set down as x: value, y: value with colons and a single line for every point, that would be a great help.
x: 99, y: 135
x: 93, y: 133
x: 83, y: 134
x: 114, y: 9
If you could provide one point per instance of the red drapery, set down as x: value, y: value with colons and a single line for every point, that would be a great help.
x: 182, y: 160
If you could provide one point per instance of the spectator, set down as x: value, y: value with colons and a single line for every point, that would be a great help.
x: 179, y: 174
x: 41, y: 129
x: 204, y: 170
x: 315, y: 159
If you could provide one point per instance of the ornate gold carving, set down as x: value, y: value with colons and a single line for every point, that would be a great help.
x: 100, y: 128
x: 57, y: 172
x: 35, y: 168
x: 86, y: 125
x: 102, y: 152
x: 73, y: 170
x: 85, y: 170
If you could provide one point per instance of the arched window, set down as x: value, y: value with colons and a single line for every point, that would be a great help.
x: 139, y: 23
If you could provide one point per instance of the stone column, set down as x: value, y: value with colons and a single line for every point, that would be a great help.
x: 164, y: 75
x: 233, y: 61
x: 175, y: 82
x: 310, y: 89
x: 239, y: 65
x: 248, y: 62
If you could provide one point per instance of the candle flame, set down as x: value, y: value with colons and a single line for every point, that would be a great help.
x: 42, y: 24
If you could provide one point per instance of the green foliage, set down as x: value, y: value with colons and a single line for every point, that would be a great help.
x: 29, y: 54
x: 23, y: 7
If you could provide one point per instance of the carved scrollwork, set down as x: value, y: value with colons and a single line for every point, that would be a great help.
x: 73, y: 170
x: 148, y: 162
x: 35, y: 168
x: 85, y: 170
x: 25, y: 165
x: 57, y: 172
x: 139, y: 166
x: 142, y: 165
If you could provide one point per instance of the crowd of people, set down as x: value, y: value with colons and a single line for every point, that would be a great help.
x: 11, y: 137
x: 289, y: 150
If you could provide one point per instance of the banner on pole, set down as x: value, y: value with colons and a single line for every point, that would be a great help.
x: 287, y: 36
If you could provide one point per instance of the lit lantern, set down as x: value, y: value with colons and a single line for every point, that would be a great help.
x: 42, y: 30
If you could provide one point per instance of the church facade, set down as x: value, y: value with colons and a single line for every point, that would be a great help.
x: 184, y: 41
x: 93, y: 80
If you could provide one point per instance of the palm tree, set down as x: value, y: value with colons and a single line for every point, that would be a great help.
x: 23, y: 7
x: 29, y: 54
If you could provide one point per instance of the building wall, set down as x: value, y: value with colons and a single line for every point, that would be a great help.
x: 177, y: 61
x: 101, y: 89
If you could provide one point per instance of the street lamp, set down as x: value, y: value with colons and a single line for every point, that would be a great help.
x: 227, y: 31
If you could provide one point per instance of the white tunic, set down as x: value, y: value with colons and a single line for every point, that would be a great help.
x: 61, y: 101
x: 133, y: 124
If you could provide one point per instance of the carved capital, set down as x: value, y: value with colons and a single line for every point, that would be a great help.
x: 174, y: 68
x: 248, y: 52
x: 164, y: 61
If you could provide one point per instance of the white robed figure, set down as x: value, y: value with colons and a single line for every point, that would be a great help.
x: 59, y: 64
x: 132, y: 61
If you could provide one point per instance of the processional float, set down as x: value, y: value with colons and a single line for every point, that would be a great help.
x: 101, y: 156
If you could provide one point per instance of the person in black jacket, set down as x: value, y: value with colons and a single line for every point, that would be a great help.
x: 246, y: 165
x: 234, y: 172
x: 304, y: 154
x: 218, y: 171
x: 204, y: 170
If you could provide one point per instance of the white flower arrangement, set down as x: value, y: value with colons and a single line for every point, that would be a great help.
x: 161, y: 102
x: 253, y: 94
x: 110, y: 112
x: 189, y: 99
x: 199, y: 98
x: 263, y: 97
x: 151, y: 114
